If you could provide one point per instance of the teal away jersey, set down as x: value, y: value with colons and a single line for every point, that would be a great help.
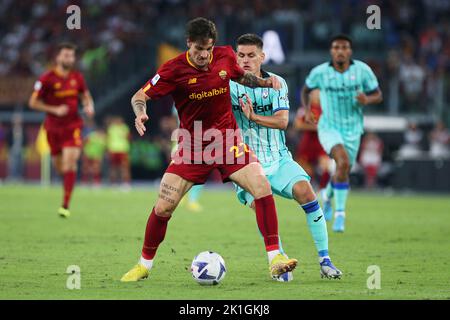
x: 268, y: 144
x: 338, y: 91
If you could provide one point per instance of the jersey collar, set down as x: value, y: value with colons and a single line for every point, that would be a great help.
x: 264, y: 74
x: 192, y: 65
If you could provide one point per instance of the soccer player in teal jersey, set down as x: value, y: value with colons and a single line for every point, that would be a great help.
x: 263, y: 115
x: 346, y: 86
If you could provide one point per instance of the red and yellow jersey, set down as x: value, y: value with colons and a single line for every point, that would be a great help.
x: 199, y: 95
x: 54, y: 90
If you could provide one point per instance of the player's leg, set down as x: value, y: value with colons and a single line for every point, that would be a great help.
x: 69, y: 163
x: 252, y: 179
x: 57, y: 163
x: 172, y: 189
x: 324, y: 183
x: 193, y: 196
x: 303, y: 193
x: 340, y: 185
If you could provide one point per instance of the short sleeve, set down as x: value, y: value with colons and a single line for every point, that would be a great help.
x: 280, y: 99
x: 313, y: 79
x: 41, y: 86
x: 370, y: 82
x: 236, y: 71
x: 161, y: 84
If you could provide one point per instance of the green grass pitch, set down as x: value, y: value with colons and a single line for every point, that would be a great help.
x: 408, y: 237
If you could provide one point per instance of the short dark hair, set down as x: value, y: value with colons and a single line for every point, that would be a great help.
x: 250, y: 39
x: 66, y: 45
x: 201, y: 29
x: 343, y: 37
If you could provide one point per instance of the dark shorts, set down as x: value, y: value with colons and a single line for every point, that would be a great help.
x: 59, y: 138
x: 199, y: 173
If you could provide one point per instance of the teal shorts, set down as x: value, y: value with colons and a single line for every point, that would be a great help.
x: 282, y: 176
x: 331, y: 137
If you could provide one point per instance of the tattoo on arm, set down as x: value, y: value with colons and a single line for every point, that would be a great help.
x: 139, y: 106
x: 252, y: 81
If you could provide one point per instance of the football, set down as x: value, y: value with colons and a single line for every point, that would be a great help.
x: 208, y: 268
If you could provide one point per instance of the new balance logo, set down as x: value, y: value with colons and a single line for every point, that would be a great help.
x: 315, y: 220
x: 192, y: 81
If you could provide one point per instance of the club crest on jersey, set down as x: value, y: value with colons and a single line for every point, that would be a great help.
x: 352, y: 77
x: 73, y: 82
x: 223, y: 74
x: 57, y: 85
x: 265, y: 93
x: 155, y: 79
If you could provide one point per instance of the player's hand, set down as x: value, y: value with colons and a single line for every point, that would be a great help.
x: 274, y: 83
x: 310, y: 117
x: 61, y: 110
x: 362, y: 99
x: 89, y: 110
x: 247, y: 106
x: 139, y: 123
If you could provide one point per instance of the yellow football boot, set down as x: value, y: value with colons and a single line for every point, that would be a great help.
x: 138, y: 272
x: 281, y: 264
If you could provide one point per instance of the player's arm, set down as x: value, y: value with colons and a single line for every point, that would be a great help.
x: 252, y: 81
x: 372, y: 98
x: 301, y: 124
x: 88, y: 103
x: 279, y: 120
x: 306, y: 103
x: 139, y: 104
x: 37, y: 104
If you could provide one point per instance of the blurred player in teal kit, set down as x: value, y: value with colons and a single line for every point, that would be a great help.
x: 345, y: 86
x: 263, y: 114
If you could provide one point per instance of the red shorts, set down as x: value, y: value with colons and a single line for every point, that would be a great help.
x: 310, y: 149
x: 118, y: 158
x: 199, y: 173
x: 59, y: 138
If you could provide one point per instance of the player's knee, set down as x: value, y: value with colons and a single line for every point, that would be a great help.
x: 261, y: 187
x: 164, y: 208
x: 303, y: 192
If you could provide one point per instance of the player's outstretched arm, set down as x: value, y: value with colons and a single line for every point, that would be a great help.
x: 139, y: 104
x: 252, y: 81
x: 279, y: 120
x: 88, y: 103
x: 37, y: 104
x: 309, y: 116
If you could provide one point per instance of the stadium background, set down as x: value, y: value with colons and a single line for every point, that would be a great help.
x: 122, y: 43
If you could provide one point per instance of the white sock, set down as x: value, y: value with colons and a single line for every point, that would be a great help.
x: 272, y: 254
x: 146, y: 263
x: 339, y: 214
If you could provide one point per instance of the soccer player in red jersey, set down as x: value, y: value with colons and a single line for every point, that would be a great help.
x: 198, y: 81
x: 57, y: 93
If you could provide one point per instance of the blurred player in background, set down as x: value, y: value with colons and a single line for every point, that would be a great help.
x: 198, y: 80
x: 309, y: 153
x: 57, y: 93
x: 118, y: 145
x: 93, y: 153
x: 371, y: 157
x: 346, y: 86
x: 263, y: 116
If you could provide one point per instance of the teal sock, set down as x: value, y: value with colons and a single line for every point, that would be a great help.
x: 341, y: 190
x: 317, y: 226
x: 329, y: 190
x: 194, y: 193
